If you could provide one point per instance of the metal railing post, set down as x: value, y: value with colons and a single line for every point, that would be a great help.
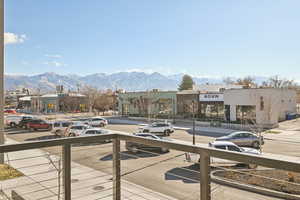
x: 116, y: 170
x: 2, y: 139
x: 205, y: 191
x: 66, y: 158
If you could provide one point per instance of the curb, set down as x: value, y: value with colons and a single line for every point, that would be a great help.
x: 251, y: 188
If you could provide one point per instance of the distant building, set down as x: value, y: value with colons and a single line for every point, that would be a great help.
x: 12, y: 97
x: 63, y: 102
x: 211, y: 88
x: 298, y: 100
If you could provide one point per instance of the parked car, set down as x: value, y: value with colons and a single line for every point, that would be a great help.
x: 163, y: 128
x: 77, y: 130
x: 25, y: 120
x: 94, y: 121
x: 93, y: 131
x: 10, y: 111
x: 59, y: 128
x: 39, y: 124
x: 243, y: 138
x: 14, y: 120
x: 135, y: 147
x: 229, y: 146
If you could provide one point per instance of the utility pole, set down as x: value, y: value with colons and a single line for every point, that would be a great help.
x: 2, y: 139
x: 149, y: 106
x: 193, y: 110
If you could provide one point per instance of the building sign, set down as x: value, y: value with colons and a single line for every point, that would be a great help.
x: 211, y: 97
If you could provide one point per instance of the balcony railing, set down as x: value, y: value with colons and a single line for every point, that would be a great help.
x: 205, y: 154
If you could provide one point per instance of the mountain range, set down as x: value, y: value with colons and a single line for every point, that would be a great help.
x: 129, y: 81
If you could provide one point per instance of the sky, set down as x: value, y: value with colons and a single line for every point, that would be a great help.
x: 201, y: 38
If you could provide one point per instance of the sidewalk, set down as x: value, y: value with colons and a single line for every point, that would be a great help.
x: 41, y: 182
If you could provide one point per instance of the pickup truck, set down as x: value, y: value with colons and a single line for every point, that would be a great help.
x: 14, y: 120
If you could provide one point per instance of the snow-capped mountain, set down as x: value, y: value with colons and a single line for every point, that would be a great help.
x: 129, y: 81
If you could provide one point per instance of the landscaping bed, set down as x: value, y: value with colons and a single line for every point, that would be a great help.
x: 285, y: 182
x: 7, y: 172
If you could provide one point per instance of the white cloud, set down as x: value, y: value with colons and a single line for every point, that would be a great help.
x: 53, y: 55
x: 12, y: 38
x: 55, y: 64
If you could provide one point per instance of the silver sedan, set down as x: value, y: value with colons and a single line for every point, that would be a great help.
x: 243, y: 138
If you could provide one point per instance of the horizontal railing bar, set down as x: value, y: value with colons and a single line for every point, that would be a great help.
x: 263, y: 160
x: 54, y: 142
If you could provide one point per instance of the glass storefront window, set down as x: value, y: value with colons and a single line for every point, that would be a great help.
x: 212, y: 110
x: 246, y: 114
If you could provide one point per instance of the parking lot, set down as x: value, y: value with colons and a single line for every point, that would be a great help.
x: 167, y: 173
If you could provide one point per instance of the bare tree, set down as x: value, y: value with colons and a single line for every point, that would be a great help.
x: 229, y: 81
x: 277, y: 82
x: 69, y: 103
x: 247, y: 82
x: 91, y: 94
x: 58, y: 168
x: 104, y: 102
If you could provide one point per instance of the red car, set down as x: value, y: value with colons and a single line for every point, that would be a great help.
x: 10, y: 111
x: 39, y: 124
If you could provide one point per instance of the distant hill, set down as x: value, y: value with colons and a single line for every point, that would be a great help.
x: 130, y: 81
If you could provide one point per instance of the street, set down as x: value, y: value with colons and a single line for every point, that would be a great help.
x: 166, y: 173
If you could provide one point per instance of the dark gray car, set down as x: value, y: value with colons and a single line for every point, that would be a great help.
x: 243, y: 138
x: 135, y: 147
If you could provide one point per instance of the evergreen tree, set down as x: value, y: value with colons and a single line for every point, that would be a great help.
x: 186, y: 83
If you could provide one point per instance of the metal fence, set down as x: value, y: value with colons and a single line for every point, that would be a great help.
x: 205, y: 153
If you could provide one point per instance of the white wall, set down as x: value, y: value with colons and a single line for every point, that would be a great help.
x: 277, y: 103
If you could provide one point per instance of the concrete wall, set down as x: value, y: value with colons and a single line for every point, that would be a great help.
x: 276, y: 103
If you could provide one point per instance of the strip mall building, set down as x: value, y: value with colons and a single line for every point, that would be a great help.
x: 261, y: 106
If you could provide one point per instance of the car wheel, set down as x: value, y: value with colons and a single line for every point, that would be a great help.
x: 133, y: 149
x: 168, y: 132
x: 164, y: 150
x: 56, y: 132
x: 255, y: 144
x: 12, y: 125
x: 101, y: 125
x: 72, y: 135
x: 252, y: 166
x: 145, y: 131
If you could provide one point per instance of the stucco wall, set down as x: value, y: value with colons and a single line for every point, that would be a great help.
x: 277, y: 103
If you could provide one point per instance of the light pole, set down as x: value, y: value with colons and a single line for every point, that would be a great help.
x: 193, y: 110
x: 2, y: 139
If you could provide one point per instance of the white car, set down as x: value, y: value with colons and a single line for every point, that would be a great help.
x: 14, y: 120
x: 59, y: 128
x: 93, y: 132
x: 94, y: 121
x: 163, y: 128
x: 78, y: 129
x: 229, y: 146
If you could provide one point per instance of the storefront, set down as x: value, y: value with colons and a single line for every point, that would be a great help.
x: 211, y: 106
x: 152, y: 103
x: 261, y: 106
x: 187, y: 103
